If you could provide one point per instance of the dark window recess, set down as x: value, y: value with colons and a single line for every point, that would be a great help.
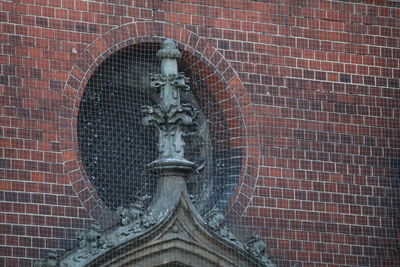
x: 115, y: 147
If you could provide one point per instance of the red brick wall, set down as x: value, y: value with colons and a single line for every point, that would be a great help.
x: 317, y: 83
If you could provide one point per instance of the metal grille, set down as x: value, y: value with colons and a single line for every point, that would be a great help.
x: 115, y: 146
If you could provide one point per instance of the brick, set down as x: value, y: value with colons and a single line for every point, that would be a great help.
x: 321, y: 77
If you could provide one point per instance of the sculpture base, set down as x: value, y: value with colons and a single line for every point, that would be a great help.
x: 172, y: 165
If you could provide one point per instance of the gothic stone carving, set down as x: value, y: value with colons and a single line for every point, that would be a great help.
x: 170, y: 117
x: 171, y: 230
x: 215, y: 220
x: 256, y: 246
x: 50, y: 261
x: 132, y: 217
x: 91, y: 242
x: 183, y: 238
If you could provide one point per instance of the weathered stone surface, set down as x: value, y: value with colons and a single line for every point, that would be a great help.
x: 256, y: 246
x: 182, y: 237
x: 170, y: 117
x: 170, y: 230
x: 50, y: 261
x: 216, y: 221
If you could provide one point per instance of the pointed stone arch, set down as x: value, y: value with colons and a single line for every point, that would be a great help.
x: 182, y: 239
x: 170, y: 231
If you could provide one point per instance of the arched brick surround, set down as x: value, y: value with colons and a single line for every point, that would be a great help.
x: 206, y: 55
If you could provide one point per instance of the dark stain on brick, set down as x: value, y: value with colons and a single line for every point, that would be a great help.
x: 345, y: 78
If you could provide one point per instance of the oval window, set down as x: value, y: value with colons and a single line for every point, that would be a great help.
x: 115, y: 147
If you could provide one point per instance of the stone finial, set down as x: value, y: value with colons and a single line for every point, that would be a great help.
x: 170, y: 117
x: 168, y: 50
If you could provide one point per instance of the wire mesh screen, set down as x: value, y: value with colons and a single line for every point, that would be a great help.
x: 113, y: 143
x: 115, y: 146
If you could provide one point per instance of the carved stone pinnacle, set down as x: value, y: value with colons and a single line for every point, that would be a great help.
x: 170, y: 117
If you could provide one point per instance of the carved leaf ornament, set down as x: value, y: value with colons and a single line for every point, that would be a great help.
x: 170, y: 230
